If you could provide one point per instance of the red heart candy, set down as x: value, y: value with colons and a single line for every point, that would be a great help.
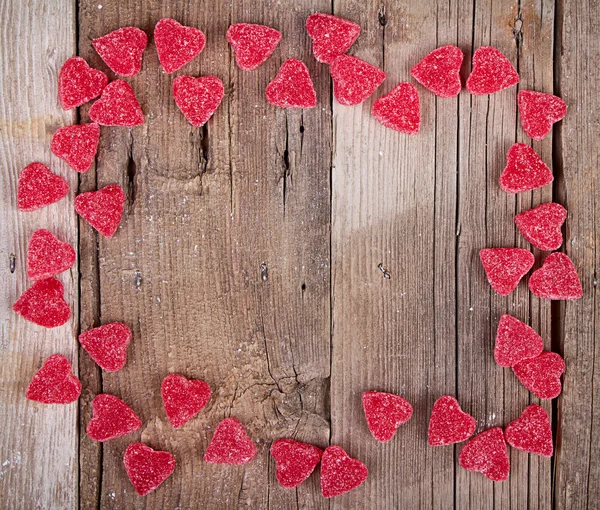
x: 122, y: 50
x: 400, y: 109
x: 505, y: 267
x: 78, y: 83
x: 176, y: 44
x: 147, y: 468
x: 539, y: 111
x: 77, y: 145
x: 44, y: 304
x: 440, y: 71
x: 541, y: 226
x: 515, y: 342
x: 39, y: 187
x: 385, y: 412
x: 292, y: 87
x: 54, y: 383
x: 295, y: 461
x: 524, y: 170
x: 111, y: 418
x: 492, y: 72
x: 118, y: 106
x: 541, y: 375
x: 252, y: 44
x: 107, y: 345
x: 102, y: 209
x: 340, y: 473
x: 449, y: 424
x: 556, y: 279
x: 486, y: 453
x: 47, y: 255
x: 354, y: 80
x: 183, y: 398
x: 531, y: 432
x: 198, y: 98
x: 230, y: 444
x: 332, y: 36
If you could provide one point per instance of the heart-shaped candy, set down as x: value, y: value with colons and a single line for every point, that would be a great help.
x: 252, y: 44
x: 292, y: 87
x: 556, y: 279
x: 449, y: 424
x: 332, y: 36
x: 44, y: 304
x: 47, y: 255
x: 385, y: 412
x: 538, y: 111
x: 39, y: 187
x: 531, y: 432
x: 77, y: 145
x: 111, y: 418
x: 122, y: 50
x: 117, y: 106
x: 107, y: 345
x: 176, y: 44
x: 541, y: 226
x: 78, y: 83
x: 515, y: 342
x: 295, y: 461
x: 440, y: 71
x: 230, y: 444
x: 340, y: 473
x: 524, y: 170
x: 147, y: 468
x: 54, y: 383
x: 183, y: 398
x: 541, y: 375
x: 354, y: 80
x: 198, y: 98
x: 399, y: 110
x: 505, y: 267
x: 102, y: 209
x: 486, y: 453
x: 492, y: 72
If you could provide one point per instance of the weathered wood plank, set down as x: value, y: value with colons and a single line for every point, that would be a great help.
x: 38, y: 444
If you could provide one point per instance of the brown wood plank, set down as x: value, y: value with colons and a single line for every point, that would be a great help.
x: 38, y: 444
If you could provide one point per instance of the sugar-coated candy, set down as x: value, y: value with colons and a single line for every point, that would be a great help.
x: 385, y: 412
x: 531, y: 432
x: 47, y: 255
x: 107, y: 345
x: 44, y: 304
x: 102, y: 209
x: 556, y: 279
x: 515, y: 342
x: 147, y: 468
x: 340, y: 473
x: 176, y: 44
x: 354, y: 80
x: 39, y: 187
x: 292, y: 87
x: 111, y: 418
x: 77, y: 145
x: 295, y: 461
x: 252, y: 44
x: 332, y: 36
x: 541, y: 375
x: 505, y: 267
x: 399, y: 110
x: 448, y: 423
x: 230, y: 444
x: 122, y: 50
x: 183, y: 398
x: 541, y: 226
x: 538, y: 111
x: 54, y: 382
x: 117, y: 106
x: 78, y: 83
x: 440, y: 71
x: 524, y: 170
x: 486, y: 453
x: 492, y: 72
x: 198, y: 98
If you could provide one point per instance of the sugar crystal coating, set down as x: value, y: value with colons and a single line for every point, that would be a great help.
x: 486, y: 453
x: 538, y: 111
x: 448, y: 423
x: 295, y: 461
x: 176, y: 44
x: 332, y: 36
x: 122, y: 50
x: 252, y: 44
x: 440, y: 71
x: 39, y: 187
x: 399, y: 110
x: 541, y: 375
x: 557, y: 279
x: 44, y: 304
x: 77, y: 145
x: 385, y: 412
x: 147, y: 468
x: 54, y: 383
x: 117, y: 106
x: 492, y: 72
x: 515, y: 342
x: 102, y: 209
x: 107, y: 345
x: 524, y: 170
x: 292, y: 87
x: 47, y: 255
x: 531, y: 432
x: 505, y: 267
x: 78, y: 83
x: 183, y: 398
x: 111, y: 418
x: 354, y: 80
x: 230, y: 444
x: 198, y: 98
x: 340, y: 473
x: 541, y: 226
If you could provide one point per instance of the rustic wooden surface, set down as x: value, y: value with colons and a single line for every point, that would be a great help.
x: 319, y: 198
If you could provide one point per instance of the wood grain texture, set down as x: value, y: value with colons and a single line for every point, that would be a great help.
x: 38, y: 452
